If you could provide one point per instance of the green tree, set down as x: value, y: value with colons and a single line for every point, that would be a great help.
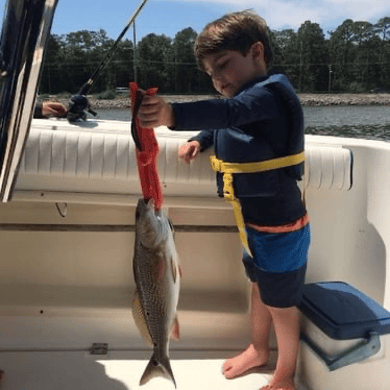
x: 152, y: 52
x: 356, y: 56
x: 342, y: 53
x: 382, y: 31
x: 51, y: 77
x: 286, y: 54
x: 122, y: 63
x: 313, y: 58
x: 185, y: 65
x: 365, y: 65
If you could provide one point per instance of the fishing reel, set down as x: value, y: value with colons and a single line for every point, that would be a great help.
x: 78, y: 108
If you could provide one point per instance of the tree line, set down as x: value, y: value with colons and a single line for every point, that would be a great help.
x: 355, y: 57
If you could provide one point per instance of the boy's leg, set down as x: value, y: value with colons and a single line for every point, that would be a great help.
x: 257, y: 353
x: 286, y: 322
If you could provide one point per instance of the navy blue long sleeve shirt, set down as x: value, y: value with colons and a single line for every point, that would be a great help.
x: 251, y: 126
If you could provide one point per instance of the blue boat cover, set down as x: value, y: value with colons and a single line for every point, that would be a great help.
x: 343, y: 312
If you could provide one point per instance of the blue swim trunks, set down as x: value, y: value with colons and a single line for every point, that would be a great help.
x: 278, y: 265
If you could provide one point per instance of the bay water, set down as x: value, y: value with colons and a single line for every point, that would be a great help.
x: 366, y: 122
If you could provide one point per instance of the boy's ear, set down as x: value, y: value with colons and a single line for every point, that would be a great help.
x: 258, y: 50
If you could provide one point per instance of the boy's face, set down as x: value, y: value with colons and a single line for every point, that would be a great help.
x: 230, y: 70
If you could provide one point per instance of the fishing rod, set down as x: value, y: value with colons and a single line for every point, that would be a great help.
x: 79, y: 103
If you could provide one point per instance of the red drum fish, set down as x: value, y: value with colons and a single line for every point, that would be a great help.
x: 157, y: 278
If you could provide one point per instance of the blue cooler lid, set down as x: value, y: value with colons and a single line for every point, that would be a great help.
x: 343, y: 312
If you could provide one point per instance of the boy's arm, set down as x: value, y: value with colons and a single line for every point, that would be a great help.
x: 254, y: 105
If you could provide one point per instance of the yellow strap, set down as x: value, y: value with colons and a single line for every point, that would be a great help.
x: 253, y: 167
x: 228, y: 190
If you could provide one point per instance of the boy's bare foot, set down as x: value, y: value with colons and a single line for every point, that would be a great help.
x: 239, y: 365
x: 279, y: 387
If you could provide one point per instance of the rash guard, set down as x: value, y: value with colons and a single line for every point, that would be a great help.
x: 262, y: 121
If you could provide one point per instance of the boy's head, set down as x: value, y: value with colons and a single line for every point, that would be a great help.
x: 235, y: 31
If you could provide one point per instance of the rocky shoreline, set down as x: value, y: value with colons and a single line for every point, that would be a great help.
x: 345, y: 99
x: 372, y: 99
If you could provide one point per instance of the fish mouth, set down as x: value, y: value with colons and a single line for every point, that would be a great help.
x: 145, y: 205
x: 146, y: 202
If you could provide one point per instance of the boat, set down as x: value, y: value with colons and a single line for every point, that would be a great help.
x: 69, y: 192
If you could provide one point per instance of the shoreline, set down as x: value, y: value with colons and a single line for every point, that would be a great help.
x: 307, y: 99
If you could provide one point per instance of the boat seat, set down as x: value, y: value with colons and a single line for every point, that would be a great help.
x: 344, y: 313
x: 99, y: 157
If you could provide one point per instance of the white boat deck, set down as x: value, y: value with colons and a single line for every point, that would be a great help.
x: 63, y: 289
x: 121, y: 370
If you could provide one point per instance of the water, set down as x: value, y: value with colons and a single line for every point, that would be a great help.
x: 367, y: 122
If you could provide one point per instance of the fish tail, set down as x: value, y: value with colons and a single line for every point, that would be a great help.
x: 158, y: 366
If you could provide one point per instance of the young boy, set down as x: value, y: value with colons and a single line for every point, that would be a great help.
x: 260, y: 120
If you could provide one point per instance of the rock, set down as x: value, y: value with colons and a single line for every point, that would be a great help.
x: 382, y: 99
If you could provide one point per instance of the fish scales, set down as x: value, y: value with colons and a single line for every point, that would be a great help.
x: 150, y: 293
x: 157, y: 277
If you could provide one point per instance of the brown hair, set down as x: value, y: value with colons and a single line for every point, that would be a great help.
x: 234, y: 31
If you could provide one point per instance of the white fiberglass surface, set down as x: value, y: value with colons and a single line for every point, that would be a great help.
x: 119, y: 370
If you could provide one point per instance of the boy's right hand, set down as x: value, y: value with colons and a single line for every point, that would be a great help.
x: 155, y: 111
x: 189, y: 151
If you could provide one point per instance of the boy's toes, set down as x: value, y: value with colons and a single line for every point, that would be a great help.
x: 226, y: 366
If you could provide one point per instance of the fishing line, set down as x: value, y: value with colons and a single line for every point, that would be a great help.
x: 79, y: 103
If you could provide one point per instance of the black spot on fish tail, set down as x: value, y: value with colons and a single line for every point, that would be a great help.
x: 158, y: 366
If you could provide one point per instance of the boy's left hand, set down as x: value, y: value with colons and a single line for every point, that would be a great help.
x: 155, y: 111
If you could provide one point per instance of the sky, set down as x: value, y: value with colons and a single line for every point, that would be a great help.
x: 168, y: 17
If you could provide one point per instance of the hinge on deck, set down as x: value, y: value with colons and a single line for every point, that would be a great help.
x: 99, y: 349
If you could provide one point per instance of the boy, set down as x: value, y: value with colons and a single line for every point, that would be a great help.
x: 260, y: 120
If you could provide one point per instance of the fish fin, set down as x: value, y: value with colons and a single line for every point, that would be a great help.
x: 157, y: 367
x: 174, y: 270
x: 172, y: 228
x: 140, y: 321
x: 175, y: 330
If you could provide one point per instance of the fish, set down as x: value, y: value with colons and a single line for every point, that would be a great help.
x: 157, y: 275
